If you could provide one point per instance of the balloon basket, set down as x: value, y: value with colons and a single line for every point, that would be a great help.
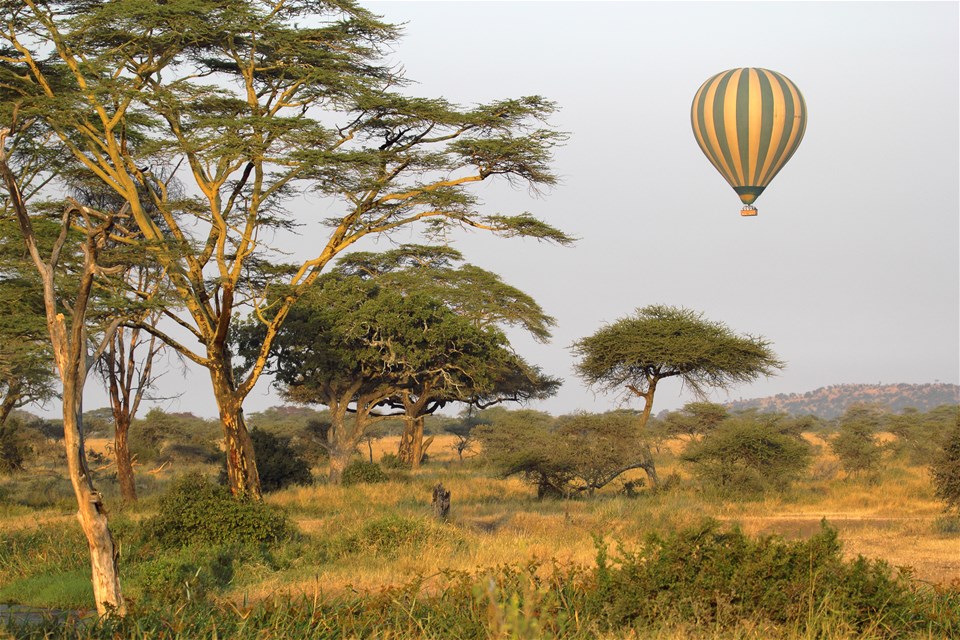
x: 748, y: 211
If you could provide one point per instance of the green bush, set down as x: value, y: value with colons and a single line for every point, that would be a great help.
x: 391, y: 461
x: 945, y: 470
x: 278, y: 464
x: 745, y: 456
x: 14, y: 447
x: 186, y: 575
x: 714, y: 578
x: 363, y: 472
x: 197, y: 511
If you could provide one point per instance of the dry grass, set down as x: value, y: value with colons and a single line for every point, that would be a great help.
x: 498, y: 521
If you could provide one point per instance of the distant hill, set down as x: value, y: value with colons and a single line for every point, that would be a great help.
x: 830, y: 402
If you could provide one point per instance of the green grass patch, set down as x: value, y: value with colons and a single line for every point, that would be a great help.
x: 70, y: 590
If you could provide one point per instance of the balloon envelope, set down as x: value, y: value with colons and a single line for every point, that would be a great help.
x: 748, y: 122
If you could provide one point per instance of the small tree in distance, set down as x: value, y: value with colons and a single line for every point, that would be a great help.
x: 945, y: 470
x: 637, y: 352
x: 746, y: 455
x: 856, y: 444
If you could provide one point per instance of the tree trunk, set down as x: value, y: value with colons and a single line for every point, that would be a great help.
x: 648, y: 464
x: 91, y: 513
x: 242, y: 475
x: 128, y: 487
x: 343, y: 439
x: 405, y: 449
x: 10, y: 400
x: 412, y: 445
x: 416, y: 445
x: 339, y: 459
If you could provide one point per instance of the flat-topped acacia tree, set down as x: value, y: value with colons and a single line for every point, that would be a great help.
x: 634, y: 354
x: 258, y: 102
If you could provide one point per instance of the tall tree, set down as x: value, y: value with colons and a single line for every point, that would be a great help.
x: 635, y: 353
x: 66, y: 305
x: 260, y: 110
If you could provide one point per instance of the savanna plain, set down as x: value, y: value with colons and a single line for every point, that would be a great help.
x: 834, y: 555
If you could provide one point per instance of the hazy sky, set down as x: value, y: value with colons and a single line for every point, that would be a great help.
x: 851, y: 268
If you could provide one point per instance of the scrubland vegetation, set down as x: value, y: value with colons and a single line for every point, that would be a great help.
x: 820, y: 552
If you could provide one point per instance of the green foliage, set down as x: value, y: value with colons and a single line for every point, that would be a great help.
x: 856, y: 444
x: 166, y: 437
x: 278, y: 464
x: 715, y: 578
x: 920, y: 435
x: 363, y: 472
x: 186, y: 575
x: 694, y: 420
x: 575, y: 453
x: 660, y: 341
x: 197, y: 511
x: 700, y: 582
x: 744, y: 456
x: 945, y: 470
x: 391, y: 461
x: 14, y: 447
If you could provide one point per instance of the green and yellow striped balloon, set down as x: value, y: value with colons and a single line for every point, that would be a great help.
x: 748, y: 122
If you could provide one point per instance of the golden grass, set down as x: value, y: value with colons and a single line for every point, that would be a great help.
x: 498, y: 521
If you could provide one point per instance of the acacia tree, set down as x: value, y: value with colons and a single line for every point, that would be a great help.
x: 637, y: 352
x: 486, y: 302
x: 355, y: 344
x: 66, y: 312
x: 259, y: 110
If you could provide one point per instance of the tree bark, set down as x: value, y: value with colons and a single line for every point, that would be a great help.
x: 91, y: 514
x: 648, y: 464
x: 342, y: 440
x: 128, y: 487
x: 242, y: 475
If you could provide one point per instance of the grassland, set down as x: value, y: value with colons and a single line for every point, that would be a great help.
x: 360, y: 544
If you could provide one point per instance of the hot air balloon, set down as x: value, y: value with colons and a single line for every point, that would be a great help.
x: 748, y: 122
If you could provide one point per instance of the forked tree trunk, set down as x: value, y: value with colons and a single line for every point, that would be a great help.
x: 413, y: 446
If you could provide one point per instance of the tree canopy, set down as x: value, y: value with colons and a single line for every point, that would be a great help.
x: 368, y: 337
x: 256, y: 104
x: 635, y: 353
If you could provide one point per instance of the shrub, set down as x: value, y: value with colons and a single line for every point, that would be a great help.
x: 391, y: 461
x: 362, y: 472
x: 278, y: 464
x: 945, y: 470
x: 197, y: 511
x: 575, y: 453
x: 715, y: 578
x: 744, y: 456
x: 855, y: 444
x: 186, y: 575
x: 14, y: 447
x: 857, y: 448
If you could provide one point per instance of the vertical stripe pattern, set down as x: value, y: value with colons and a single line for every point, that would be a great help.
x: 749, y: 123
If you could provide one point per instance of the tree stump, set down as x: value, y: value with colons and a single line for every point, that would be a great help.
x: 441, y: 502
